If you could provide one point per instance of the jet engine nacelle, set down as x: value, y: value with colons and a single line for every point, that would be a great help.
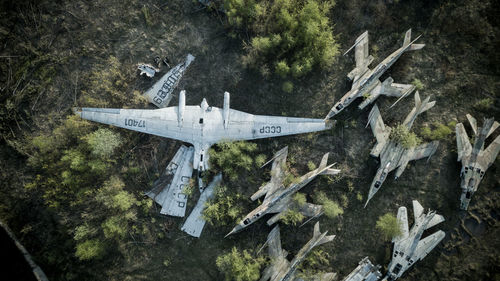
x: 182, y: 106
x: 226, y: 110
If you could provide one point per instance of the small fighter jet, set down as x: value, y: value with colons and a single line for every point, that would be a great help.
x: 279, y: 199
x: 280, y: 268
x: 393, y: 154
x: 366, y: 83
x: 409, y: 247
x: 475, y: 159
x: 202, y: 125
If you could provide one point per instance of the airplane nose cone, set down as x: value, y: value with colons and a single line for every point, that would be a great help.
x: 234, y: 230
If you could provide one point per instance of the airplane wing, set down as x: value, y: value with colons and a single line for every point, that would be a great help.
x: 274, y: 243
x: 362, y: 57
x: 277, y: 175
x: 422, y: 151
x: 387, y: 88
x: 159, y: 122
x: 488, y: 156
x: 426, y: 245
x: 464, y: 148
x: 380, y: 131
x: 435, y: 220
x: 403, y: 224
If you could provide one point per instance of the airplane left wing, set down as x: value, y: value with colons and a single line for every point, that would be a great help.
x: 426, y: 245
x: 422, y: 151
x: 464, y: 148
x: 380, y: 131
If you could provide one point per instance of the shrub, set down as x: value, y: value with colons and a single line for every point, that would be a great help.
x: 240, y: 266
x: 484, y: 104
x: 418, y: 84
x: 90, y: 249
x: 403, y: 136
x: 232, y: 157
x: 388, y: 226
x: 440, y: 132
x: 103, y: 142
x: 311, y: 166
x: 331, y: 209
x: 287, y: 87
x: 224, y: 208
x: 291, y: 35
x: 292, y: 217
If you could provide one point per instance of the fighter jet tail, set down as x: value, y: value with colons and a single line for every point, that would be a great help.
x: 420, y: 107
x: 408, y: 44
x: 317, y: 235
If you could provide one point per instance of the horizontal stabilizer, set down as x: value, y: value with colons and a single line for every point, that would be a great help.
x: 317, y: 234
x: 435, y: 220
x: 330, y: 171
x: 493, y: 128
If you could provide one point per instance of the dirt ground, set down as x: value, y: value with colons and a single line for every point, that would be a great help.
x: 459, y: 67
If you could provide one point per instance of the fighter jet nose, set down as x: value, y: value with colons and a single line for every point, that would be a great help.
x: 231, y: 232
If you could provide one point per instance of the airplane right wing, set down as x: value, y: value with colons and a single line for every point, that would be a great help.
x: 310, y: 210
x: 464, y: 148
x: 380, y: 131
x: 388, y: 88
x: 278, y: 171
x: 426, y: 245
x: 489, y: 155
x: 403, y: 224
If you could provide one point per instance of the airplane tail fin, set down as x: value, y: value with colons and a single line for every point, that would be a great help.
x: 407, y: 43
x: 323, y: 162
x: 420, y: 107
x: 317, y: 234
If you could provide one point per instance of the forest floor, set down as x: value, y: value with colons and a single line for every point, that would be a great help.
x: 459, y: 68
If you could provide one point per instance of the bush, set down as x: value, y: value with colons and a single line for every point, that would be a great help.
x: 90, y: 249
x: 291, y: 35
x: 232, y: 157
x: 388, y: 226
x: 418, y: 84
x: 331, y: 209
x: 240, y: 266
x: 103, y: 142
x: 292, y: 217
x: 287, y: 87
x: 403, y: 136
x: 311, y: 166
x: 440, y: 132
x: 224, y: 208
x: 484, y: 104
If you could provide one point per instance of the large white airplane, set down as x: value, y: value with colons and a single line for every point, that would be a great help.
x: 202, y: 125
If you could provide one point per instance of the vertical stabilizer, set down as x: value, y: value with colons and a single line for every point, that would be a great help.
x: 407, y: 39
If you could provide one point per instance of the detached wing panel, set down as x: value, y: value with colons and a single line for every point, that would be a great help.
x: 159, y: 122
x: 488, y: 156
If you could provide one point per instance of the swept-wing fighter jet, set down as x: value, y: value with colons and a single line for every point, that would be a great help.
x: 366, y: 83
x: 408, y: 247
x: 392, y: 154
x: 475, y: 159
x: 279, y: 198
x: 202, y: 125
x: 280, y: 268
